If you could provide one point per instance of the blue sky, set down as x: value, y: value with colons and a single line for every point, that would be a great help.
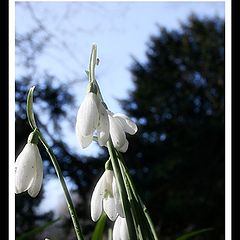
x: 120, y: 30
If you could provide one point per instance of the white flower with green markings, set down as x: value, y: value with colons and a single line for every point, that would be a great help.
x: 29, y: 170
x: 106, y: 197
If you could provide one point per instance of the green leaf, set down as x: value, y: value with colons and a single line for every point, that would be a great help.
x: 192, y: 234
x: 36, y: 230
x: 110, y: 234
x: 30, y: 114
x: 98, y: 231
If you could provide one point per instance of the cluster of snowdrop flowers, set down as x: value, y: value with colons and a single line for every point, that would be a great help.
x: 93, y: 117
x: 95, y: 120
x: 115, y: 188
x: 106, y: 197
x: 29, y: 168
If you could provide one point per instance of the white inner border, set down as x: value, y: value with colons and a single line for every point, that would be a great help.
x: 11, y: 123
x: 228, y: 193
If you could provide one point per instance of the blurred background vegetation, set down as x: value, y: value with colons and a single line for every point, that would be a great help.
x: 177, y: 156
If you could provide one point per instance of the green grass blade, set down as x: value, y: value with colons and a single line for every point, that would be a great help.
x: 36, y: 230
x: 98, y: 231
x: 194, y: 233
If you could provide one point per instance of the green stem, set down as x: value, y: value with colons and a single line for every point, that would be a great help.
x: 109, y: 234
x: 92, y: 65
x: 33, y: 125
x: 71, y: 208
x: 30, y: 114
x: 137, y: 197
x: 138, y: 219
x: 149, y: 220
x: 122, y: 190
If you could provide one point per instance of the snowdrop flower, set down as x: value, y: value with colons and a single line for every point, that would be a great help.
x: 92, y: 116
x: 120, y: 124
x: 120, y: 230
x: 117, y: 198
x: 105, y: 196
x: 29, y: 170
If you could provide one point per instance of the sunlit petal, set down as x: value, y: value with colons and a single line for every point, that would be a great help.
x: 117, y: 133
x: 38, y: 174
x: 24, y: 168
x: 124, y: 148
x: 109, y: 207
x: 84, y: 141
x: 124, y: 230
x: 96, y: 200
x: 127, y: 124
x: 88, y: 116
x: 116, y: 229
x: 103, y: 127
x: 117, y: 199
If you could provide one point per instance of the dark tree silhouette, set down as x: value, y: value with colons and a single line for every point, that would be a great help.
x: 177, y: 157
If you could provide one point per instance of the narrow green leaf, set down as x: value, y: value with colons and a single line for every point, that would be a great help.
x: 146, y: 223
x: 98, y: 231
x: 110, y: 232
x: 194, y: 233
x: 30, y: 114
x: 35, y: 231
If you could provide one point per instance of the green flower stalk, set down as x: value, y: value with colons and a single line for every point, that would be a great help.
x: 70, y: 205
x: 114, y: 193
x: 134, y: 221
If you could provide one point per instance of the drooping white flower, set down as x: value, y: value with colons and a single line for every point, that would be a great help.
x: 92, y: 116
x: 120, y: 124
x: 120, y: 230
x: 117, y: 198
x: 29, y: 170
x: 105, y: 197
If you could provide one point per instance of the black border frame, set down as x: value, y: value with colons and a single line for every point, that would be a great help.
x: 4, y: 102
x: 235, y: 78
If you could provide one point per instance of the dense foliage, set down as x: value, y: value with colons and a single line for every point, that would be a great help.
x: 177, y: 158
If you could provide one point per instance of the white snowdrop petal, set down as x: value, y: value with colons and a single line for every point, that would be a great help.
x: 88, y: 116
x: 124, y: 147
x: 16, y: 167
x: 108, y: 200
x: 132, y: 125
x: 108, y: 179
x: 84, y: 141
x: 117, y: 133
x: 116, y: 229
x: 38, y: 174
x: 109, y: 207
x: 96, y: 200
x: 127, y: 124
x: 103, y: 127
x: 102, y: 137
x: 24, y: 168
x: 117, y: 198
x: 124, y: 230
